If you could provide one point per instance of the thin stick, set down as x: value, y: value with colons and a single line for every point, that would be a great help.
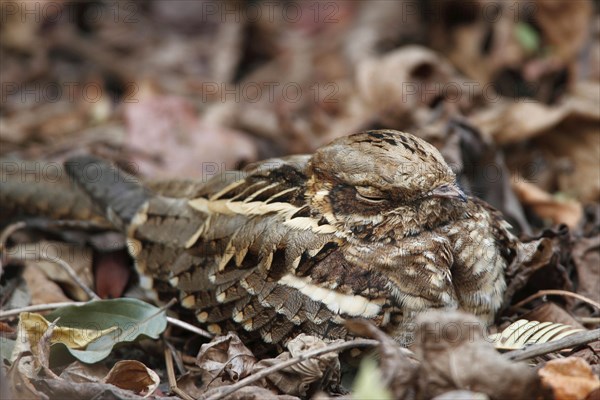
x: 64, y: 265
x: 9, y: 230
x: 176, y: 357
x: 544, y: 348
x: 189, y: 327
x: 171, y: 376
x: 219, y: 393
x: 38, y: 307
x: 557, y: 292
x: 588, y: 320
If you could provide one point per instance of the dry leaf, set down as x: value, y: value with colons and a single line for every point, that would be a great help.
x: 34, y: 325
x: 225, y: 357
x: 19, y: 385
x: 568, y: 212
x: 551, y: 312
x: 133, y: 375
x: 78, y: 257
x: 80, y: 373
x: 405, y: 81
x: 297, y: 379
x: 586, y: 256
x: 570, y: 378
x: 41, y: 288
x: 455, y: 356
x: 169, y: 140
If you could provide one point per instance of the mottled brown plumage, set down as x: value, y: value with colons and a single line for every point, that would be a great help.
x: 372, y: 225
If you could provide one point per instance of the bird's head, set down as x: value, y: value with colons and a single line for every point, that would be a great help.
x: 381, y: 182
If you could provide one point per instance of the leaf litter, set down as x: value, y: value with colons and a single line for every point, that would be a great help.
x: 507, y: 92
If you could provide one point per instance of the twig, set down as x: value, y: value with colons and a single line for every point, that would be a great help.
x: 189, y: 327
x: 176, y: 357
x: 557, y: 292
x: 9, y: 230
x: 64, y: 265
x: 588, y: 320
x: 171, y: 376
x: 220, y: 392
x: 43, y: 352
x: 39, y: 307
x: 544, y: 348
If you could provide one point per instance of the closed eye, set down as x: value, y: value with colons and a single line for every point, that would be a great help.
x: 370, y: 195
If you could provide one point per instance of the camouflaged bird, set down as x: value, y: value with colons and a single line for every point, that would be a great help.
x: 371, y: 226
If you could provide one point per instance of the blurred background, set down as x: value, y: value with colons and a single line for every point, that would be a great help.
x: 508, y: 91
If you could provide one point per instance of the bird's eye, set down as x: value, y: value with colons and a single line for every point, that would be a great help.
x: 370, y: 194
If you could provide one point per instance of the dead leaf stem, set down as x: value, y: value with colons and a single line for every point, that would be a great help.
x: 536, y: 350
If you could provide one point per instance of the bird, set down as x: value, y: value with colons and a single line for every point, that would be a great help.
x: 372, y: 225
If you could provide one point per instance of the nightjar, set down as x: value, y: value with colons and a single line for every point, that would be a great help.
x: 371, y: 226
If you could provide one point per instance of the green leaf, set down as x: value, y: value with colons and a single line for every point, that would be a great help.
x: 528, y: 37
x: 131, y: 317
x: 367, y: 384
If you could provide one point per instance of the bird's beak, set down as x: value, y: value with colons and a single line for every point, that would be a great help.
x: 449, y: 192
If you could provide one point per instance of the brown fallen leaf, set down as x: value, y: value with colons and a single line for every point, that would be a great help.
x: 78, y: 257
x: 18, y: 383
x: 455, y: 356
x: 224, y: 359
x: 80, y: 373
x: 586, y: 256
x: 169, y: 140
x: 570, y: 378
x: 405, y: 82
x: 41, y: 288
x: 298, y: 379
x: 133, y: 375
x: 551, y: 312
x: 568, y: 212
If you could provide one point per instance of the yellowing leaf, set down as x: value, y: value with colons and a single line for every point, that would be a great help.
x: 75, y: 338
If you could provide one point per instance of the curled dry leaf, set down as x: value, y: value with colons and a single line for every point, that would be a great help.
x: 225, y: 357
x: 297, y: 379
x: 531, y: 256
x: 568, y: 212
x: 133, y: 375
x: 454, y: 356
x: 570, y: 378
x: 404, y: 82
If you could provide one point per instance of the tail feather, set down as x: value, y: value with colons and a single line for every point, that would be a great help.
x: 119, y: 194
